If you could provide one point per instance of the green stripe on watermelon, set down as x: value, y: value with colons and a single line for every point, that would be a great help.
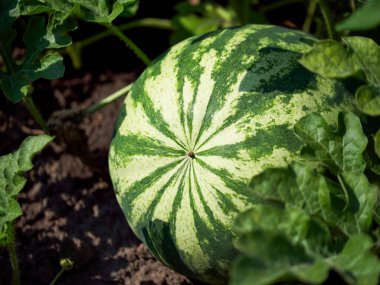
x: 231, y: 97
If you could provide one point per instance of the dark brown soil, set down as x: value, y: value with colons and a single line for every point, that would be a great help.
x: 69, y: 206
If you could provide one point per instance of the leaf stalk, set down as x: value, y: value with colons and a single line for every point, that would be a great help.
x: 117, y: 32
x: 29, y: 103
x: 327, y: 16
x: 13, y: 254
x: 114, y: 96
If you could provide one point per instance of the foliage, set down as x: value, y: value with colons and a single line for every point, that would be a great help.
x: 366, y: 17
x: 308, y: 221
x: 206, y: 16
x: 318, y: 214
x: 315, y: 215
x: 357, y: 57
x: 45, y: 33
x: 12, y: 167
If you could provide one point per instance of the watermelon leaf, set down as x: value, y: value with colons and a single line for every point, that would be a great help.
x: 358, y: 57
x: 368, y: 99
x: 365, y: 18
x: 270, y: 258
x: 342, y: 152
x: 356, y: 263
x: 377, y: 143
x: 103, y: 11
x: 300, y: 186
x: 12, y: 167
x: 42, y: 34
x: 331, y: 59
x: 38, y: 37
x: 310, y: 220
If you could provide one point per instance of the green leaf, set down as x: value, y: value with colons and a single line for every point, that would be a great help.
x: 201, y: 18
x: 368, y: 100
x: 331, y: 59
x: 271, y: 258
x: 38, y: 37
x: 14, y: 87
x: 357, y: 57
x: 377, y: 143
x: 356, y: 263
x: 342, y: 151
x: 291, y: 222
x: 367, y: 56
x: 275, y: 243
x: 50, y: 67
x: 283, y: 262
x: 12, y: 167
x: 102, y: 11
x: 9, y: 12
x: 365, y: 18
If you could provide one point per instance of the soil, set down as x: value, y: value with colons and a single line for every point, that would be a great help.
x: 69, y: 207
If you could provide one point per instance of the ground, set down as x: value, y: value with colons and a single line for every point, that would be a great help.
x: 68, y: 203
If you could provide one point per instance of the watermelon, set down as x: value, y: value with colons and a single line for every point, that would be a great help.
x: 198, y: 124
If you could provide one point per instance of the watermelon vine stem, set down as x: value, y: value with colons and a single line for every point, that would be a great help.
x: 147, y: 22
x: 326, y: 13
x: 140, y: 54
x: 7, y: 58
x: 13, y: 254
x: 114, y: 96
x: 29, y: 103
x: 353, y: 5
x: 66, y: 265
x: 309, y: 15
x: 74, y: 50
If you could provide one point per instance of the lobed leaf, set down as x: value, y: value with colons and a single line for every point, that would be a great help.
x: 12, y: 167
x: 37, y: 37
x: 356, y: 263
x: 342, y: 151
x: 272, y: 253
x: 377, y: 143
x: 103, y: 11
x: 358, y: 56
x: 368, y: 99
x: 9, y: 12
x: 281, y: 261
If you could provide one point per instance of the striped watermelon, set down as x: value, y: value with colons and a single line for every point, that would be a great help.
x: 199, y: 122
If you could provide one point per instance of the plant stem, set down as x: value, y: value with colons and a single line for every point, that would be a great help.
x: 353, y: 5
x: 99, y: 105
x: 29, y: 103
x: 309, y: 16
x: 115, y: 30
x: 13, y: 254
x: 7, y: 58
x: 74, y: 50
x: 326, y: 12
x: 147, y: 22
x: 57, y: 276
